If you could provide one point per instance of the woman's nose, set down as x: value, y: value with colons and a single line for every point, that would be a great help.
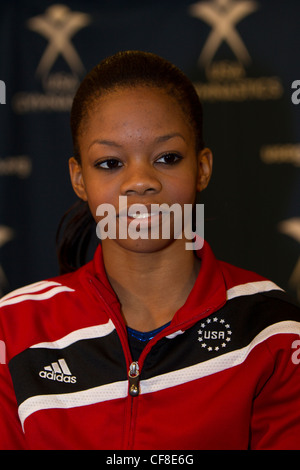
x: 140, y: 179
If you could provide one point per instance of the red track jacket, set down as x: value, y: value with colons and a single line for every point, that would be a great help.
x: 224, y: 374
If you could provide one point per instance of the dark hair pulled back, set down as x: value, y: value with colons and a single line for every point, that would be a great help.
x: 122, y: 70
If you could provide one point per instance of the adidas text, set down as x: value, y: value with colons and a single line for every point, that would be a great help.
x: 58, y: 377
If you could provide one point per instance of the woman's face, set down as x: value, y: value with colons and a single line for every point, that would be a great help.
x: 138, y: 143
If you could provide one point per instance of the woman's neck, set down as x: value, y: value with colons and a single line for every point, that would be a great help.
x: 151, y: 287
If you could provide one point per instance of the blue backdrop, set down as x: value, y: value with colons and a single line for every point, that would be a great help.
x: 242, y: 56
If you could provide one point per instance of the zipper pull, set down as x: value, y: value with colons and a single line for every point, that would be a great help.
x: 133, y: 376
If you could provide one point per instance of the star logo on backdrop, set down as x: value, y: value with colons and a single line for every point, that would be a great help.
x: 291, y: 227
x: 6, y: 234
x: 223, y: 16
x: 58, y: 25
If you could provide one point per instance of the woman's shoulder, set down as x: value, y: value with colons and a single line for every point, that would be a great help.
x: 47, y: 288
x: 40, y: 290
x: 250, y: 288
x: 46, y: 310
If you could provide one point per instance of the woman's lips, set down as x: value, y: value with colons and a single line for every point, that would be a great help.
x: 142, y: 211
x: 143, y: 216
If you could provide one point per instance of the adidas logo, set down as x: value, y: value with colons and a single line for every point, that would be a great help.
x: 58, y: 371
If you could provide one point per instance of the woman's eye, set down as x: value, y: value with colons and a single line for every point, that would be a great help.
x: 109, y: 164
x: 169, y: 158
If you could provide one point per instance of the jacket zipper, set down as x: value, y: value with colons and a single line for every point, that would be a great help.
x: 135, y: 367
x: 168, y: 331
x: 133, y: 372
x: 134, y: 379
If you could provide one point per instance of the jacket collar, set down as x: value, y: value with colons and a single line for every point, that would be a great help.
x: 207, y: 295
x: 209, y: 291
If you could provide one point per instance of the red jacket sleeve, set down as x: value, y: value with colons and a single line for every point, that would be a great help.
x: 276, y: 408
x: 11, y: 434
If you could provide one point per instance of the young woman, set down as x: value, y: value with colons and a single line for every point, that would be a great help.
x: 150, y: 345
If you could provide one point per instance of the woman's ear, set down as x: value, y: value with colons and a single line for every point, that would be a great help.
x: 205, y: 164
x: 77, y: 178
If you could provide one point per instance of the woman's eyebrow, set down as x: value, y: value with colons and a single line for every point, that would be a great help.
x: 105, y: 142
x: 162, y: 138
